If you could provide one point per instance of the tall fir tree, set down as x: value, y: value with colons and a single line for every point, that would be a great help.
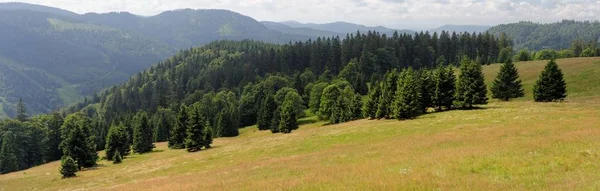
x: 427, y: 89
x: 178, y: 131
x: 407, y: 103
x: 471, y: 88
x: 68, y: 167
x: 445, y: 86
x: 8, y: 153
x: 117, y: 141
x: 288, y: 121
x: 195, y: 131
x: 21, y: 111
x: 52, y: 141
x: 370, y: 107
x: 274, y: 127
x: 388, y: 92
x: 208, y: 135
x: 142, y: 134
x: 77, y: 141
x: 550, y: 86
x: 265, y: 114
x: 507, y: 84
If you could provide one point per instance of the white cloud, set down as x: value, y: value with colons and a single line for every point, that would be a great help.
x: 402, y: 14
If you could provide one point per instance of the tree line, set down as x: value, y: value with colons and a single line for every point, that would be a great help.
x: 209, y: 92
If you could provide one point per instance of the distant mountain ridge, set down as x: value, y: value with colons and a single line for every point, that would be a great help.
x: 461, y: 28
x: 344, y: 27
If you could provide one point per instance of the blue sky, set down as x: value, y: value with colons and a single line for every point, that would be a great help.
x: 400, y: 14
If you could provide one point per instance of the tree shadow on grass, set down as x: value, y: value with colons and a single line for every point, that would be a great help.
x: 307, y: 121
x: 98, y: 166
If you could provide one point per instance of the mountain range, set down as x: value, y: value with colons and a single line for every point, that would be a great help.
x: 51, y: 57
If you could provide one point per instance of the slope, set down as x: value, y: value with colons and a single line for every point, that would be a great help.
x: 303, y: 31
x: 343, y: 27
x: 505, y: 146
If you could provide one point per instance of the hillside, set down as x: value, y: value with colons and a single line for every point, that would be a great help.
x: 302, y: 31
x: 519, y: 145
x: 559, y: 35
x: 344, y: 27
x: 51, y: 57
x: 460, y: 28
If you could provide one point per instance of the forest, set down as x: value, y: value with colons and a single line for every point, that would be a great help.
x: 212, y: 91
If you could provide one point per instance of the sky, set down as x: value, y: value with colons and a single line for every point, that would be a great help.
x: 398, y: 14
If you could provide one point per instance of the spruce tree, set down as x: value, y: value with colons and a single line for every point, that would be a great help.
x: 265, y: 115
x: 77, y: 141
x: 315, y: 96
x: 288, y: 121
x: 370, y: 107
x: 8, y: 153
x: 274, y: 127
x: 445, y: 86
x: 388, y: 91
x: 471, y: 88
x: 550, y: 86
x: 407, y: 103
x: 178, y: 133
x: 68, y: 167
x: 427, y: 89
x: 117, y: 141
x: 208, y: 135
x: 118, y: 158
x: 195, y: 131
x: 21, y: 111
x: 357, y: 107
x: 507, y: 84
x: 142, y: 134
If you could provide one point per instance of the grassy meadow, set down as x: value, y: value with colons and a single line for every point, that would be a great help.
x: 514, y: 145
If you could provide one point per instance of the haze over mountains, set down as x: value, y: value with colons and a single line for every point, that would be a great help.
x: 51, y: 57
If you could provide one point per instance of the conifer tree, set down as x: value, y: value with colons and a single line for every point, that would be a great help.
x: 208, y: 135
x: 388, y: 91
x: 357, y: 107
x: 118, y: 158
x: 68, y: 167
x: 265, y: 115
x: 407, y: 103
x: 117, y: 141
x: 276, y: 120
x: 195, y: 131
x: 315, y: 96
x: 77, y: 141
x: 288, y: 121
x: 445, y: 86
x: 21, y: 111
x: 178, y: 133
x: 8, y: 154
x: 370, y: 107
x: 142, y: 134
x: 471, y: 88
x: 550, y: 86
x: 507, y: 84
x: 427, y: 89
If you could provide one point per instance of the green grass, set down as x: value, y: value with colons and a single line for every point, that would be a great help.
x: 519, y: 145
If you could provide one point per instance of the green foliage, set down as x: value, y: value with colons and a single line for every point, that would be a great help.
x: 195, y: 131
x: 522, y: 55
x: 589, y: 52
x: 298, y: 103
x: 505, y: 54
x: 8, y: 154
x: 550, y: 86
x: 162, y: 123
x: 142, y: 133
x: 471, y: 88
x: 546, y: 54
x: 445, y: 87
x: 178, y: 131
x: 507, y: 85
x: 77, y: 141
x: 388, y: 91
x: 353, y: 74
x: 265, y: 114
x: 426, y: 83
x: 338, y: 103
x: 407, y: 102
x: 68, y: 167
x: 370, y: 107
x: 117, y: 140
x: 315, y: 96
x: 289, y: 119
x: 21, y: 111
x: 566, y: 53
x: 274, y: 126
x: 118, y: 158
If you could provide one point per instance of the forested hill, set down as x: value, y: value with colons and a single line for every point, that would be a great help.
x: 559, y: 35
x: 51, y: 57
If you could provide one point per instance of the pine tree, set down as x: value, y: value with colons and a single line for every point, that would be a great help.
x: 195, y: 131
x: 265, y: 114
x: 288, y: 121
x: 52, y: 142
x: 274, y: 127
x: 8, y: 154
x: 68, y: 167
x: 178, y: 133
x: 208, y: 135
x: 427, y: 89
x: 407, y: 103
x: 77, y: 141
x: 471, y: 88
x: 142, y: 134
x: 370, y: 107
x: 118, y: 158
x: 357, y: 107
x: 550, y: 86
x: 117, y: 141
x: 21, y: 111
x: 445, y: 86
x: 507, y: 84
x: 388, y: 92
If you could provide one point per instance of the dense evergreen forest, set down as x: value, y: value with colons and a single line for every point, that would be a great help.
x: 211, y: 91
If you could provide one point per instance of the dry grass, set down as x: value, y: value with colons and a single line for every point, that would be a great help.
x: 506, y: 146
